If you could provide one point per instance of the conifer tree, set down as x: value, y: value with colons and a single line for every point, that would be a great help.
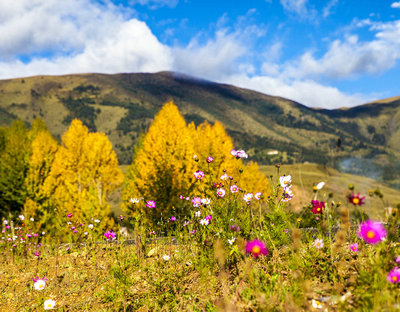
x: 163, y: 166
x: 84, y: 173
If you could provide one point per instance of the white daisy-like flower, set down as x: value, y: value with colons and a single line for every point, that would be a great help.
x: 21, y: 217
x: 318, y: 243
x: 285, y: 181
x: 134, y: 200
x: 197, y: 213
x: 317, y: 304
x: 320, y: 185
x: 287, y: 194
x: 224, y: 177
x: 206, y: 201
x: 221, y: 192
x: 231, y: 241
x: 247, y: 197
x: 234, y: 188
x: 166, y: 257
x: 97, y: 220
x: 86, y: 233
x: 204, y: 222
x: 49, y: 304
x: 258, y: 195
x: 32, y: 219
x: 90, y: 226
x: 40, y: 284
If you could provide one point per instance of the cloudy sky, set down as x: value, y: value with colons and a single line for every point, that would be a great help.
x: 330, y: 54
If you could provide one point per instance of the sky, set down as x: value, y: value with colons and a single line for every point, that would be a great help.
x: 328, y: 54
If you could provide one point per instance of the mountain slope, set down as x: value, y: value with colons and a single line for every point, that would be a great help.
x: 123, y: 106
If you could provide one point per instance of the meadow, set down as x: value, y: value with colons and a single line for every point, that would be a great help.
x: 236, y: 251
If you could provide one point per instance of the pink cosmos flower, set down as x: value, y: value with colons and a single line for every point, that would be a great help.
x: 247, y: 197
x: 221, y: 192
x: 318, y: 243
x: 287, y: 194
x: 394, y: 276
x: 258, y: 195
x: 356, y: 199
x: 69, y: 215
x: 317, y: 206
x: 234, y: 188
x: 199, y: 174
x: 354, y: 247
x: 256, y: 248
x: 196, y: 201
x: 109, y: 235
x: 173, y: 219
x: 209, y: 217
x: 210, y: 159
x: 372, y: 232
x: 151, y: 204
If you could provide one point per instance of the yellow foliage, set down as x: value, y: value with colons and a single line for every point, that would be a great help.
x: 85, y: 171
x: 163, y: 167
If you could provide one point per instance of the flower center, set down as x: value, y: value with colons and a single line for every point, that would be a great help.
x: 256, y: 249
x: 370, y: 234
x: 318, y: 209
x: 356, y: 201
x: 394, y: 278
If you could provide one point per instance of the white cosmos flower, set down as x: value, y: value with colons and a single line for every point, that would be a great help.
x: 317, y: 304
x: 320, y: 185
x: 285, y: 181
x: 134, y: 200
x: 231, y: 241
x: 97, y: 220
x: 90, y: 226
x: 224, y: 177
x: 49, y: 304
x: 197, y: 213
x: 206, y: 201
x: 166, y: 257
x: 204, y: 221
x: 247, y: 197
x: 39, y: 285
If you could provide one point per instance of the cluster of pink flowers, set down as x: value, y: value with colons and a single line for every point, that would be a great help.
x: 239, y: 153
x: 109, y: 235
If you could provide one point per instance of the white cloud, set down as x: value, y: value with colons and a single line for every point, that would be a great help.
x: 296, y: 6
x: 327, y: 9
x: 350, y: 58
x: 395, y: 5
x: 155, y: 4
x: 95, y: 39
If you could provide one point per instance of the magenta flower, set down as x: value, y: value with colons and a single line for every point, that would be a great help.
x: 356, y: 199
x: 209, y: 217
x: 234, y: 188
x: 394, y: 276
x: 256, y: 248
x: 69, y: 215
x: 109, y: 235
x: 199, y: 174
x: 354, y: 247
x: 173, y: 219
x: 210, y: 159
x: 196, y: 201
x: 317, y: 206
x: 372, y: 232
x: 151, y: 204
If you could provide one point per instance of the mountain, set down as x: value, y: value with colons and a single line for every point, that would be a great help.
x: 272, y: 129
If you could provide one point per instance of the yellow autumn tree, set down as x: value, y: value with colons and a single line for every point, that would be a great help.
x: 44, y: 148
x: 160, y: 170
x: 163, y: 167
x: 84, y: 173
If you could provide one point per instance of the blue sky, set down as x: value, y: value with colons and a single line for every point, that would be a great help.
x: 329, y: 54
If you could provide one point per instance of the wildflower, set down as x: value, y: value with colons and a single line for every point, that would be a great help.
x: 317, y: 304
x: 195, y: 157
x: 205, y: 201
x: 258, y: 195
x: 286, y: 231
x: 134, y: 200
x: 186, y: 223
x: 210, y: 159
x: 97, y: 220
x: 32, y: 219
x: 193, y: 231
x: 234, y: 188
x: 49, y: 304
x: 247, y: 197
x: 173, y: 219
x: 356, y: 199
x: 233, y: 152
x: 40, y: 284
x: 256, y: 248
x: 109, y: 235
x: 235, y: 228
x: 151, y: 204
x: 196, y: 201
x: 287, y: 194
x: 197, y: 213
x: 372, y: 232
x: 209, y: 217
x: 90, y: 226
x: 217, y: 185
x: 397, y: 259
x: 69, y: 215
x: 37, y: 254
x: 231, y: 241
x: 241, y: 154
x: 204, y: 222
x: 224, y: 177
x: 5, y: 222
x: 354, y: 247
x: 320, y: 185
x: 318, y: 243
x: 394, y: 276
x: 166, y: 257
x: 21, y: 217
x: 86, y: 233
x: 285, y: 181
x: 199, y: 174
x: 153, y: 233
x: 221, y: 192
x: 317, y: 206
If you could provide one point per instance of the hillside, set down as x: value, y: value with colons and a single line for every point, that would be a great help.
x: 123, y: 106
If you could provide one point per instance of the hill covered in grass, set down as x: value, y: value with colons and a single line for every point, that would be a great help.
x: 272, y: 129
